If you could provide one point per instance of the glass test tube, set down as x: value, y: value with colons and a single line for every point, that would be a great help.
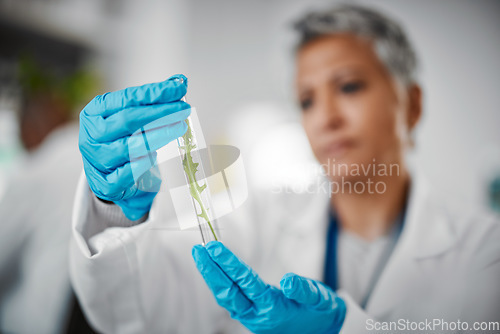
x: 197, y: 183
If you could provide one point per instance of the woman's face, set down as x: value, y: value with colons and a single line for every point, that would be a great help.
x: 353, y: 111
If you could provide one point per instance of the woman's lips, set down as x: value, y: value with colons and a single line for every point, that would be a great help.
x: 338, y: 149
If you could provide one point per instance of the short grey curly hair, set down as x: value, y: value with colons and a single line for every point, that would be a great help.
x: 389, y: 39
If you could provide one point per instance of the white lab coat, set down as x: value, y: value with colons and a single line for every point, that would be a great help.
x: 35, y: 234
x: 142, y: 279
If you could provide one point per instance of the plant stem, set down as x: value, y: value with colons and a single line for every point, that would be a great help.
x: 191, y: 168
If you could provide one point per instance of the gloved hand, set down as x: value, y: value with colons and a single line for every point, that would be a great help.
x: 119, y: 135
x: 301, y: 306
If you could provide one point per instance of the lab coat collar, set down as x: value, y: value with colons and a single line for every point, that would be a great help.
x: 428, y: 229
x: 427, y: 233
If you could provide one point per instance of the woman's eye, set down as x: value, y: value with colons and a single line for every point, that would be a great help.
x: 351, y: 87
x: 306, y: 104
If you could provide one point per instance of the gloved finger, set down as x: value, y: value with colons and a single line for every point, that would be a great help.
x: 149, y: 181
x: 145, y: 141
x: 238, y: 271
x: 134, y: 170
x: 119, y: 184
x: 307, y: 291
x: 127, y: 121
x: 172, y: 89
x: 107, y: 156
x: 226, y: 292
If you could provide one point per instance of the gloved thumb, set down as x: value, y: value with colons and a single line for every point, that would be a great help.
x: 307, y: 291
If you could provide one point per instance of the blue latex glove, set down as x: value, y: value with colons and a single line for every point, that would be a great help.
x: 302, y: 305
x: 119, y: 135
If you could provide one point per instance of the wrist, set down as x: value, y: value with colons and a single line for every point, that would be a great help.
x: 137, y: 208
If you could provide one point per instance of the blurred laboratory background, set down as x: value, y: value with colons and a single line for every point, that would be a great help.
x: 238, y: 56
x: 55, y: 55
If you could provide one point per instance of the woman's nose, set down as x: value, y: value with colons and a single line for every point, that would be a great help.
x: 329, y: 115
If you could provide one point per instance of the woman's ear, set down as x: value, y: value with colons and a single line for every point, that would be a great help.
x: 415, y: 106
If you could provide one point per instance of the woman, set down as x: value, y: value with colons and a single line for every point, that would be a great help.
x: 378, y: 252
